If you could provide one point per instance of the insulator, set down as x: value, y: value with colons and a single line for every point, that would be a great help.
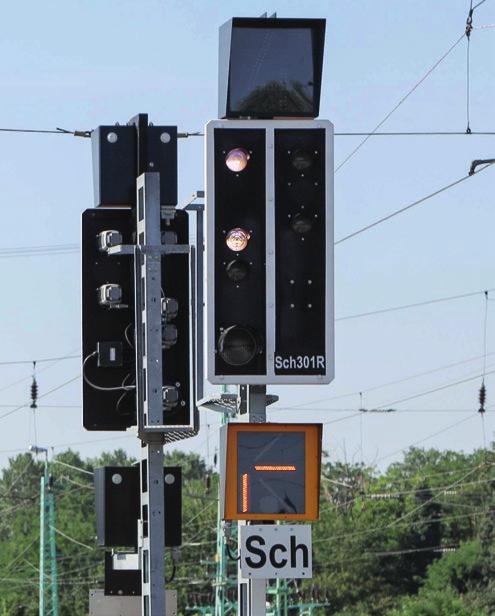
x: 482, y: 398
x: 34, y: 393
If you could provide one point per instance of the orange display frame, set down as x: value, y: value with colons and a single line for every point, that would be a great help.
x: 312, y: 441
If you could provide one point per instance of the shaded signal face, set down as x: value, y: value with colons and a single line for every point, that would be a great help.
x: 239, y: 251
x: 300, y: 246
x: 271, y: 473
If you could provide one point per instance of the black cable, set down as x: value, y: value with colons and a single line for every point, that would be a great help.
x: 172, y: 576
x: 99, y: 387
x: 126, y: 335
x: 229, y: 553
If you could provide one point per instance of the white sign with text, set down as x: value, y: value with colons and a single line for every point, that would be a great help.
x: 276, y: 551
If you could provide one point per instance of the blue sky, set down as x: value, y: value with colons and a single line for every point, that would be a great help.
x: 76, y: 65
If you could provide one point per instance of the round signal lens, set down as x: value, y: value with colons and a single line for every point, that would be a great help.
x: 237, y: 159
x: 237, y: 239
x: 237, y: 345
x: 237, y: 270
x: 301, y: 160
x: 301, y: 224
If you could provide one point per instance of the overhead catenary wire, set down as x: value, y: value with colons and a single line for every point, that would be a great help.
x: 47, y: 393
x: 433, y: 390
x: 37, y: 251
x: 183, y: 135
x: 482, y: 391
x: 411, y: 205
x: 383, y: 385
x: 441, y: 490
x: 52, y: 363
x: 401, y: 101
x: 39, y: 361
x: 406, y: 515
x: 71, y: 539
x: 438, y: 133
x: 450, y: 426
x: 412, y: 305
x: 69, y: 248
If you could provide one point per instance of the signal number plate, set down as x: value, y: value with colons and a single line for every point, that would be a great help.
x: 291, y: 364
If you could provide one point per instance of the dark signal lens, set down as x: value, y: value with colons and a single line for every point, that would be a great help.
x: 237, y: 345
x: 301, y: 160
x: 237, y: 270
x: 301, y: 224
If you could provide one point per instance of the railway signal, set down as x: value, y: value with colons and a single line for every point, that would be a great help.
x: 269, y: 193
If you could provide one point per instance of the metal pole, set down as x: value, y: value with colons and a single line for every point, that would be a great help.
x: 152, y: 528
x: 221, y: 568
x: 53, y: 550
x: 44, y: 479
x: 149, y: 394
x: 252, y: 593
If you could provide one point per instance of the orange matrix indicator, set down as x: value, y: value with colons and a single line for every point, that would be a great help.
x: 271, y: 467
x: 245, y: 493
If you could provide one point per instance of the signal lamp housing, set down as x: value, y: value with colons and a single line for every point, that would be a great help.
x: 238, y: 345
x: 237, y: 270
x: 301, y: 224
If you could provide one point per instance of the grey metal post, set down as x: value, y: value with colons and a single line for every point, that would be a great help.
x: 252, y: 593
x: 198, y: 287
x: 43, y: 483
x: 53, y: 552
x: 149, y: 395
x: 152, y: 528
